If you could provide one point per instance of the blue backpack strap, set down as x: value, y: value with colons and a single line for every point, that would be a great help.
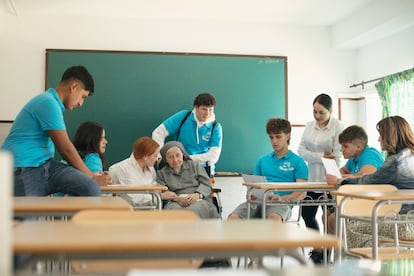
x: 182, y: 122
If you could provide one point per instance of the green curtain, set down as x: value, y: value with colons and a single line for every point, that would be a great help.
x: 396, y: 93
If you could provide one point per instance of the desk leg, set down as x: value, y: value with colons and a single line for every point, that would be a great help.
x: 325, y: 226
x: 248, y: 194
x: 159, y: 200
x: 339, y: 228
x: 375, y: 229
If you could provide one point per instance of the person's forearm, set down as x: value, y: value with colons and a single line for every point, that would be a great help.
x: 159, y: 134
x: 73, y: 158
x: 211, y: 156
x: 295, y: 196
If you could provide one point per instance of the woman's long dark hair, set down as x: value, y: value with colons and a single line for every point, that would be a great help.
x: 87, y: 139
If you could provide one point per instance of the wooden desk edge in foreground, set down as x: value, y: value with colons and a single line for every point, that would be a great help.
x: 170, y: 236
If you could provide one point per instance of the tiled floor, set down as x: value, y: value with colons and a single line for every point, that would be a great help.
x: 232, y: 194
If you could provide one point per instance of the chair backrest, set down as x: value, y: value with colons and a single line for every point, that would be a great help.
x: 362, y: 207
x: 120, y: 216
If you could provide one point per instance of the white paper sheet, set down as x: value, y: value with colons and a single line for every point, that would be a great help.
x: 331, y: 167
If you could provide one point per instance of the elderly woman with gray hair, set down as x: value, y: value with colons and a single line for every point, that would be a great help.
x: 188, y: 184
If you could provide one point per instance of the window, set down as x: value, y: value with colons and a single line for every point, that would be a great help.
x: 397, y: 95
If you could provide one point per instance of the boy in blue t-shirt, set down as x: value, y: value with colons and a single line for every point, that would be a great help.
x: 362, y: 159
x: 197, y: 130
x: 281, y: 165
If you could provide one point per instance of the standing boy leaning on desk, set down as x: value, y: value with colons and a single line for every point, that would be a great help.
x: 281, y: 165
x: 197, y: 130
x: 38, y: 129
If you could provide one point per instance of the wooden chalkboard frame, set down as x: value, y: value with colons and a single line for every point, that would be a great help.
x: 244, y: 140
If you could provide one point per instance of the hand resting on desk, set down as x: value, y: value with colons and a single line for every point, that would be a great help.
x: 183, y: 200
x: 293, y: 197
x: 102, y: 179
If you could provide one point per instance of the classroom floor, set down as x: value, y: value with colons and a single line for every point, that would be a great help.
x: 232, y: 194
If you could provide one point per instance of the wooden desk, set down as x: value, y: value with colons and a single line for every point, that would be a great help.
x: 155, y: 191
x: 164, y: 239
x: 383, y: 197
x: 27, y: 206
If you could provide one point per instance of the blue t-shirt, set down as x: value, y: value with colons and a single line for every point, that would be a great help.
x: 288, y: 168
x: 195, y: 140
x: 369, y: 156
x: 94, y: 162
x: 28, y: 140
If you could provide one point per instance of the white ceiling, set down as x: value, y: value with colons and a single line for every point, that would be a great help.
x: 303, y: 12
x: 353, y: 23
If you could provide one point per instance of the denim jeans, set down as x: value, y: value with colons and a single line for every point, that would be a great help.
x: 53, y: 177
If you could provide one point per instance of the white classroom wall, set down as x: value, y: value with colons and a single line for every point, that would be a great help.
x: 315, y: 63
x: 386, y: 56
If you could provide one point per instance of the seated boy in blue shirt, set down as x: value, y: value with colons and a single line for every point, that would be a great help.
x: 281, y: 165
x: 362, y: 159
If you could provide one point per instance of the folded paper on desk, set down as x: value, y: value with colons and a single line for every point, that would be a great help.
x: 331, y: 167
x: 248, y: 178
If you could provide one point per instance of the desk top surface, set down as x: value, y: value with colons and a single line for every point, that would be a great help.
x: 68, y: 203
x: 378, y: 195
x: 291, y: 185
x: 173, y: 236
x: 121, y: 187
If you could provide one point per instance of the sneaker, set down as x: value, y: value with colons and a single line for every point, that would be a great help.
x: 316, y: 256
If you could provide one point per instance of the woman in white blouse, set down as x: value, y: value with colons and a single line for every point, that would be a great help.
x: 138, y: 169
x: 319, y: 139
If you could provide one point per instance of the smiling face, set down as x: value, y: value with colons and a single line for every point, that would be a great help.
x: 203, y: 113
x: 174, y: 158
x: 321, y: 114
x: 152, y: 158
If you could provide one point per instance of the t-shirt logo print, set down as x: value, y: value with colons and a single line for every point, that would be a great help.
x: 206, y: 137
x: 286, y: 166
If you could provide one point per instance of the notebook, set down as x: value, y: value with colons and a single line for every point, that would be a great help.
x: 253, y: 178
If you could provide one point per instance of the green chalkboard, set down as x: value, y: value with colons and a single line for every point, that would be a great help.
x: 136, y: 91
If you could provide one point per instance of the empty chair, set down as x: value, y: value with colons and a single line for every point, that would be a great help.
x: 359, y: 208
